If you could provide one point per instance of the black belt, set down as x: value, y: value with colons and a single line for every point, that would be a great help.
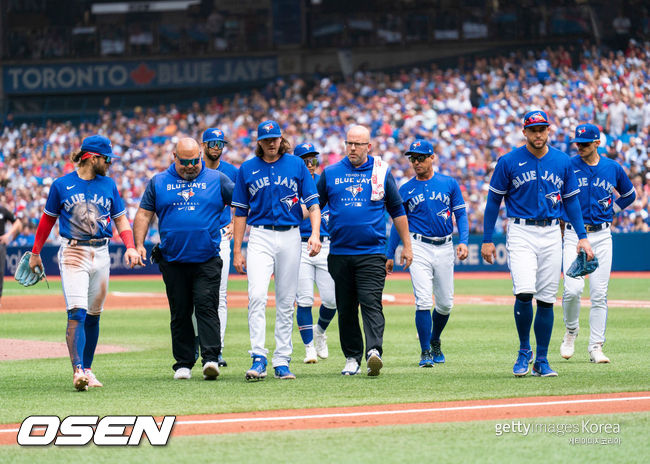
x: 322, y: 238
x: 537, y: 222
x: 432, y: 241
x: 96, y: 242
x: 280, y: 228
x: 591, y: 227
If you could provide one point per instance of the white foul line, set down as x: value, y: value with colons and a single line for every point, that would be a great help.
x: 404, y: 411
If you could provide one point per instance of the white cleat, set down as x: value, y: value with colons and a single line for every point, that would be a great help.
x: 210, y: 370
x: 597, y: 356
x: 310, y: 354
x: 92, y: 380
x: 567, y: 348
x: 182, y: 373
x: 320, y: 342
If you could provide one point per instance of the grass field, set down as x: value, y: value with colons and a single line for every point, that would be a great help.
x: 479, y: 342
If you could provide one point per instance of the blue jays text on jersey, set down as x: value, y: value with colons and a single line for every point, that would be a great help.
x: 84, y: 207
x: 357, y: 225
x: 189, y: 213
x: 305, y: 225
x: 429, y: 206
x: 534, y: 187
x: 597, y: 185
x: 270, y: 193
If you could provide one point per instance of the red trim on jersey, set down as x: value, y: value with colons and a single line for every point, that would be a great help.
x: 42, y: 232
x: 127, y: 237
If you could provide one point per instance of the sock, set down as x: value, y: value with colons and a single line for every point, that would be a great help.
x: 523, y: 320
x: 543, y: 328
x: 439, y: 322
x: 325, y: 316
x: 75, y: 337
x: 91, y: 326
x: 305, y: 324
x: 423, y: 325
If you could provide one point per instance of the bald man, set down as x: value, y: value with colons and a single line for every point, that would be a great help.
x: 359, y: 190
x: 188, y: 199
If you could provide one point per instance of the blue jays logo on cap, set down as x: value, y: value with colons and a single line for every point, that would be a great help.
x: 99, y: 145
x: 213, y: 133
x: 305, y: 149
x: 536, y: 118
x: 586, y: 133
x: 420, y: 147
x: 268, y: 130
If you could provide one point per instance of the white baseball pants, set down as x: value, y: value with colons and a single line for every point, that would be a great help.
x: 85, y: 273
x: 432, y: 274
x: 314, y: 269
x: 535, y: 260
x: 272, y: 252
x: 601, y: 244
x: 224, y: 254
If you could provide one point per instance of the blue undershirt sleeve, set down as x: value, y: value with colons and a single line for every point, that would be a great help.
x: 463, y: 225
x: 490, y: 215
x: 574, y: 211
x: 393, y: 241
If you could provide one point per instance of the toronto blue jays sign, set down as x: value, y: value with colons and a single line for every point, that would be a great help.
x: 136, y: 75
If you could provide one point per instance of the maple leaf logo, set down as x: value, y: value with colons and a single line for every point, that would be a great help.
x: 143, y: 74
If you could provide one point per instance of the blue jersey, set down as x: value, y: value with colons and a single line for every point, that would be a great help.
x: 189, y: 213
x: 84, y: 207
x: 357, y: 225
x: 230, y: 171
x: 270, y: 193
x: 305, y: 225
x: 430, y: 203
x: 534, y: 188
x: 597, y: 185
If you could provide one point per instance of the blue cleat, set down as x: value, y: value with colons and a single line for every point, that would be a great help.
x: 258, y: 369
x: 438, y: 357
x: 283, y: 372
x: 426, y: 360
x: 524, y: 358
x: 541, y: 368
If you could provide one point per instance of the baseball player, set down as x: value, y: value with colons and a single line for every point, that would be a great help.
x: 314, y: 269
x: 86, y: 202
x: 267, y: 197
x: 6, y: 236
x: 598, y: 177
x: 535, y: 180
x: 213, y: 145
x: 429, y: 200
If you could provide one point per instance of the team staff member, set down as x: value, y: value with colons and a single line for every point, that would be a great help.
x: 535, y: 180
x: 213, y: 145
x: 314, y: 269
x: 6, y: 237
x: 358, y: 190
x: 86, y: 201
x: 429, y: 200
x: 267, y: 196
x: 598, y: 177
x: 188, y: 200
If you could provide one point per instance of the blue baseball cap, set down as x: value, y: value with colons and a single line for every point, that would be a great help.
x: 268, y: 130
x: 213, y: 134
x: 98, y: 145
x: 305, y: 149
x: 420, y: 147
x: 536, y: 118
x: 586, y: 133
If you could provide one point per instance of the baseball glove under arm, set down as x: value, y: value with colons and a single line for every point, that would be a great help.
x: 25, y: 275
x: 581, y: 267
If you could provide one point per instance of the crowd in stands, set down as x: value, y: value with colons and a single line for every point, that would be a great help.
x: 472, y: 114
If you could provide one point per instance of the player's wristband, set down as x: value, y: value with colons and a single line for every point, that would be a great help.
x: 127, y: 238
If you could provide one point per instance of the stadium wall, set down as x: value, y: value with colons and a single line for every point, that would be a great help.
x: 631, y: 253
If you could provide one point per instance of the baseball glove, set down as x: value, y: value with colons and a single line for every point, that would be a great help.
x: 25, y: 275
x: 581, y: 267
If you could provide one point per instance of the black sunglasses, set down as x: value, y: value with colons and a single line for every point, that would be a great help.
x: 216, y: 143
x: 583, y: 144
x: 107, y: 159
x: 311, y: 161
x: 418, y: 158
x: 188, y: 162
